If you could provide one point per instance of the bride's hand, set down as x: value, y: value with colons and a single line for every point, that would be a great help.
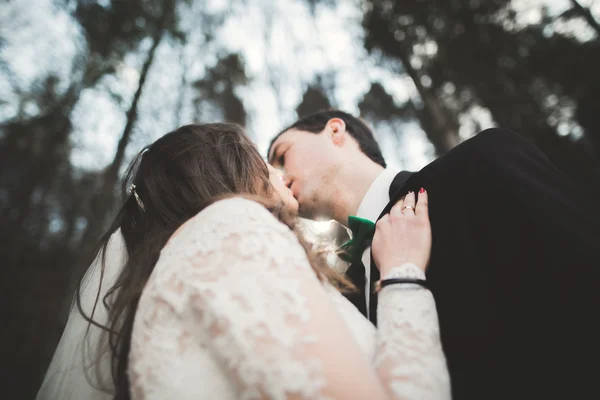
x: 403, y: 235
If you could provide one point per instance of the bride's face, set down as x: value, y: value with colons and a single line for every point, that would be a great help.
x: 277, y: 180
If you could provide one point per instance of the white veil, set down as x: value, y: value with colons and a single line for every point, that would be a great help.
x: 80, y: 368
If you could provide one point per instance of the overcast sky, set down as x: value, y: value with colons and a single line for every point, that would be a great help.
x: 284, y: 48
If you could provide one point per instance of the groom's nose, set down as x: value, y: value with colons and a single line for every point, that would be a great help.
x: 287, y: 181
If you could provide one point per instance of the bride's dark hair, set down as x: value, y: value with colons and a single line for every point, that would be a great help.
x: 175, y: 178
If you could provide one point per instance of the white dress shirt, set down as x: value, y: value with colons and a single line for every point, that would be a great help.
x: 375, y: 200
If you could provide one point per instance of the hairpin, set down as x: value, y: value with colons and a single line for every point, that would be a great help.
x: 137, y: 198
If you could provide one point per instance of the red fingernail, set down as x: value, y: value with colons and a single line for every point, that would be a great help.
x: 422, y: 190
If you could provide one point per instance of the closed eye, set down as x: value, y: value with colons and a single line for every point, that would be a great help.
x: 280, y: 158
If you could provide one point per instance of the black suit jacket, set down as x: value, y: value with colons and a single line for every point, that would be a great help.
x: 515, y: 270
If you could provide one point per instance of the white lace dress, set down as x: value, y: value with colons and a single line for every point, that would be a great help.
x: 233, y: 310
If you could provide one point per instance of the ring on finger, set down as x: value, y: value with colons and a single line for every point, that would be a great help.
x: 409, y: 207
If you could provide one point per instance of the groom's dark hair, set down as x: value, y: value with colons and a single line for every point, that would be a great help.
x: 316, y: 122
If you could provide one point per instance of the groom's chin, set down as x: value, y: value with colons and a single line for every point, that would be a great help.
x: 308, y: 212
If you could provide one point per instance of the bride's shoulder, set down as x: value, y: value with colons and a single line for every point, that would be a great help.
x: 234, y: 210
x: 234, y: 207
x: 234, y: 213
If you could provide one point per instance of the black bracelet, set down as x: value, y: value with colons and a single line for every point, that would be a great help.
x: 391, y: 281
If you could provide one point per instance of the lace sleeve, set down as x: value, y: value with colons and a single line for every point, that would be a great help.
x: 410, y: 359
x: 248, y: 297
x: 249, y: 304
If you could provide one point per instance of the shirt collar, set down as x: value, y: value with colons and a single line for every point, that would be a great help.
x: 378, y: 196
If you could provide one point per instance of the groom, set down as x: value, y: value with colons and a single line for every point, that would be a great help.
x: 515, y: 264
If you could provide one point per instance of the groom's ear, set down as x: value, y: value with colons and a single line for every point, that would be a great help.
x: 336, y: 129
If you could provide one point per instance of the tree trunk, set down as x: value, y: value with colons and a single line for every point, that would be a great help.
x: 440, y: 126
x: 104, y: 201
x: 183, y: 85
x: 111, y: 174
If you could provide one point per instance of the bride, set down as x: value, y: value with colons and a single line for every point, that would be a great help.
x: 219, y: 297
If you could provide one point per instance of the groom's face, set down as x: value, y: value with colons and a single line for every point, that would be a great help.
x: 309, y: 162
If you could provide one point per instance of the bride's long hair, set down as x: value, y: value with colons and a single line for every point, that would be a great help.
x: 175, y: 178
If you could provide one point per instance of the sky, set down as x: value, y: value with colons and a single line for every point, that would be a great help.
x: 284, y: 49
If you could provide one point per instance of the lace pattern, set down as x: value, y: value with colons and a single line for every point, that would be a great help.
x: 233, y: 310
x: 409, y: 352
x: 215, y: 270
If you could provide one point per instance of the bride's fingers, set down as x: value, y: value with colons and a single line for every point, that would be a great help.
x: 408, y: 208
x: 397, y: 208
x: 422, y: 208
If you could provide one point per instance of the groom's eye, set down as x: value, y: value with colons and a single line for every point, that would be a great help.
x: 281, y: 158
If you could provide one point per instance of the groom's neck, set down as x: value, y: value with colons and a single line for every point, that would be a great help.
x: 355, y: 183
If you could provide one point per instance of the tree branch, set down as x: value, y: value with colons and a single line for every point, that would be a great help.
x: 587, y: 15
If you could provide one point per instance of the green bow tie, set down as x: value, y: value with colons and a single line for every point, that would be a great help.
x: 362, y: 235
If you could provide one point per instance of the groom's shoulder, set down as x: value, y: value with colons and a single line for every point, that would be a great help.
x: 496, y: 139
x: 493, y: 144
